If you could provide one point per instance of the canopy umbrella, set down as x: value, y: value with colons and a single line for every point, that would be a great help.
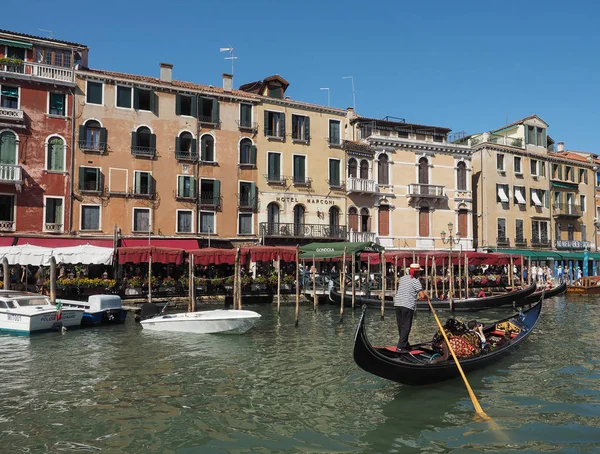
x: 26, y: 254
x: 336, y: 250
x: 85, y: 254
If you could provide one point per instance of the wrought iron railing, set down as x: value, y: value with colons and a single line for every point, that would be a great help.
x: 521, y: 242
x: 209, y: 119
x: 247, y: 125
x: 301, y: 181
x: 301, y: 230
x: 540, y: 241
x: 502, y: 241
x: 567, y: 209
x: 147, y: 152
x: 209, y: 198
x: 97, y: 147
x: 186, y: 155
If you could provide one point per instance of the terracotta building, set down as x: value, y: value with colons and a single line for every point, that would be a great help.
x: 37, y: 85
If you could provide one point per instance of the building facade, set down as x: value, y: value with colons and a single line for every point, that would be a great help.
x: 37, y: 92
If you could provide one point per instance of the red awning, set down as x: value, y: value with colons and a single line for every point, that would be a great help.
x: 142, y: 255
x: 64, y: 242
x: 267, y: 253
x: 176, y: 243
x: 6, y: 240
x: 215, y: 256
x: 441, y: 258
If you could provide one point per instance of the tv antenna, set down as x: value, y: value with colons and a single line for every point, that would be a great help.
x: 50, y: 32
x: 231, y: 57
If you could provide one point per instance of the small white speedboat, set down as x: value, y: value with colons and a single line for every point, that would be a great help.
x: 99, y: 309
x: 223, y: 321
x: 25, y: 313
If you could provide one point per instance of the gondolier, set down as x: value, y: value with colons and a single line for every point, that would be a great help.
x: 405, y: 303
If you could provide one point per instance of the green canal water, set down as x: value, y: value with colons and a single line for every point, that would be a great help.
x: 284, y: 389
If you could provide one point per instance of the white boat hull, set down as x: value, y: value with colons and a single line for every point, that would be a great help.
x: 45, y: 320
x: 205, y: 322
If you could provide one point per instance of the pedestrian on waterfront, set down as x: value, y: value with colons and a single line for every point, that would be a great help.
x: 540, y: 274
x: 559, y: 273
x: 409, y: 289
x: 566, y: 272
x: 533, y: 273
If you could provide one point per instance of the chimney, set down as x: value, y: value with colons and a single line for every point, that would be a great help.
x: 560, y: 146
x: 227, y: 82
x: 166, y: 72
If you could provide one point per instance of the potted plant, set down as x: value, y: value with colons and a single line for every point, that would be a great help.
x: 259, y: 284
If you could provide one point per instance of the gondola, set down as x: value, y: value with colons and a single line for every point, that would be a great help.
x: 416, y: 368
x: 549, y: 293
x: 468, y: 304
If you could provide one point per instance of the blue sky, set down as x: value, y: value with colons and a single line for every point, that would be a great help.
x: 465, y: 65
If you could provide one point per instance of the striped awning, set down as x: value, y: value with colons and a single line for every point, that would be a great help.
x: 13, y: 43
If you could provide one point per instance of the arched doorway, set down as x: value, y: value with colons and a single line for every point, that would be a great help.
x: 299, y: 212
x: 334, y: 221
x: 352, y: 166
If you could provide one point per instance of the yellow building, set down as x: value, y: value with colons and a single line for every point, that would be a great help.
x: 163, y: 157
x: 406, y: 184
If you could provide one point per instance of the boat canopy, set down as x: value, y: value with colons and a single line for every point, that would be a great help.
x: 336, y: 250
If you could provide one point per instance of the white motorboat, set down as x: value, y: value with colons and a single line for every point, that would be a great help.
x: 223, y: 321
x: 99, y: 309
x: 25, y: 313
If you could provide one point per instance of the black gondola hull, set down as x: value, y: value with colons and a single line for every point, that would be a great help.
x: 535, y: 296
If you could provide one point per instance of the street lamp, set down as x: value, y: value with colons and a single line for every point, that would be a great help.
x: 451, y: 240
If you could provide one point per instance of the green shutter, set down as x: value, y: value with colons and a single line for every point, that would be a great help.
x: 103, y: 137
x: 271, y: 170
x: 81, y: 178
x: 153, y: 141
x: 217, y: 189
x: 136, y: 98
x: 177, y: 144
x: 253, y: 154
x: 58, y: 154
x: 202, y: 149
x: 194, y: 103
x: 282, y: 125
x: 136, y: 182
x: 544, y: 138
x: 194, y: 149
x: 133, y: 139
x: 560, y: 171
x: 178, y: 104
x: 307, y: 128
x: 180, y: 186
x: 267, y: 126
x: 82, y: 134
x: 252, y: 199
x: 97, y: 188
x: 245, y: 114
x: 153, y: 102
x: 192, y: 189
x: 215, y: 110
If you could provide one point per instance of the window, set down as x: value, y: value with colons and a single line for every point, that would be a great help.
x: 334, y: 221
x: 539, y: 232
x: 364, y: 169
x: 208, y: 111
x: 274, y: 166
x: 334, y: 172
x: 517, y: 164
x: 247, y: 152
x: 95, y: 92
x: 275, y: 124
x: 424, y: 222
x: 54, y: 214
x: 207, y: 222
x: 185, y: 146
x: 7, y: 212
x: 245, y: 223
x: 520, y: 196
x: 500, y: 162
x: 383, y: 169
x: 141, y: 219
x: 210, y: 192
x: 568, y: 173
x: 92, y: 137
x: 570, y: 232
x: 558, y: 231
x: 299, y: 214
x: 273, y: 211
x: 300, y: 128
x: 583, y: 176
x: 353, y: 219
x: 533, y: 166
x: 124, y: 97
x: 207, y: 148
x: 501, y: 230
x: 365, y: 220
x: 463, y: 218
x: 142, y: 183
x: 55, y: 155
x: 423, y: 171
x: 502, y: 191
x: 90, y: 217
x: 583, y: 232
x: 9, y: 97
x: 185, y: 221
x: 143, y: 142
x: 352, y: 167
x: 185, y: 187
x: 557, y: 171
x: 334, y: 132
x: 90, y: 179
x: 461, y: 176
x: 144, y: 100
x: 246, y: 116
x: 537, y: 197
x: 535, y: 136
x: 542, y: 172
x: 185, y: 105
x: 384, y: 220
x: 57, y: 104
x: 247, y: 195
x: 300, y: 169
x: 16, y: 52
x: 582, y: 202
x: 519, y: 231
x: 275, y: 92
x: 8, y: 148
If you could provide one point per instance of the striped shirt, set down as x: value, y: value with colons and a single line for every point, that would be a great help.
x: 408, y: 290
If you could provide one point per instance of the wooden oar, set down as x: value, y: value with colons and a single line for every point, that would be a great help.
x: 478, y: 408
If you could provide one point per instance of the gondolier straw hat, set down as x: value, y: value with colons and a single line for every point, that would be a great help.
x: 415, y: 266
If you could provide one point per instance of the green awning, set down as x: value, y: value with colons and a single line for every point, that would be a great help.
x: 542, y: 255
x: 13, y: 43
x: 331, y: 250
x: 565, y: 185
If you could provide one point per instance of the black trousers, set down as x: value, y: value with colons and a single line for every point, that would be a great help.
x: 404, y: 318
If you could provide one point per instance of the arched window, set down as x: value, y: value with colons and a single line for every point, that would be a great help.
x: 383, y: 170
x: 92, y: 136
x: 272, y: 218
x: 424, y: 222
x: 207, y: 148
x: 352, y: 165
x: 185, y: 146
x: 364, y: 169
x: 423, y: 171
x: 247, y: 152
x: 55, y: 157
x: 384, y: 220
x: 461, y: 176
x: 334, y: 221
x: 299, y: 220
x: 353, y: 219
x: 463, y: 226
x: 8, y: 148
x: 365, y: 220
x: 143, y: 142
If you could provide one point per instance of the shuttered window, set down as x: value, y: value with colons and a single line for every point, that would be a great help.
x: 384, y: 220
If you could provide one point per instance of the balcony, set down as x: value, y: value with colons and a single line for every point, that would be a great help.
x: 247, y: 202
x: 361, y: 237
x: 301, y: 181
x: 572, y: 244
x: 426, y: 191
x: 186, y: 155
x: 210, y: 199
x: 6, y: 113
x: 247, y: 125
x: 361, y: 186
x: 92, y: 146
x: 567, y: 210
x: 502, y: 242
x: 31, y: 70
x: 52, y: 227
x: 275, y: 179
x: 538, y: 242
x: 520, y: 242
x: 7, y: 226
x: 10, y: 173
x: 143, y: 152
x: 292, y: 230
x: 211, y: 120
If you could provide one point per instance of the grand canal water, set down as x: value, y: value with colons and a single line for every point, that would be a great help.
x: 285, y: 389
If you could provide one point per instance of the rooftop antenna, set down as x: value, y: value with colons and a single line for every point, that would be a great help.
x: 232, y: 57
x: 353, y: 95
x: 328, y: 98
x: 50, y: 32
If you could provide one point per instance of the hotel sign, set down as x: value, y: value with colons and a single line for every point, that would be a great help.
x: 308, y: 200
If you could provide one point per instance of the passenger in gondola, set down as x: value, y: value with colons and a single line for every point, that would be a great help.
x: 409, y: 289
x: 481, y: 294
x: 466, y: 340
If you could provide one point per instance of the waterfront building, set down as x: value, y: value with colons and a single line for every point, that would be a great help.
x: 300, y: 168
x: 37, y: 85
x: 406, y: 183
x: 162, y: 158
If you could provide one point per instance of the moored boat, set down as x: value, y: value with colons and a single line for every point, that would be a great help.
x: 26, y: 313
x: 225, y: 321
x: 548, y: 293
x: 99, y: 309
x: 589, y: 285
x: 416, y: 368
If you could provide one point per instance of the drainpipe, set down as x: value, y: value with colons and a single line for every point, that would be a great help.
x: 197, y: 175
x: 72, y: 173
